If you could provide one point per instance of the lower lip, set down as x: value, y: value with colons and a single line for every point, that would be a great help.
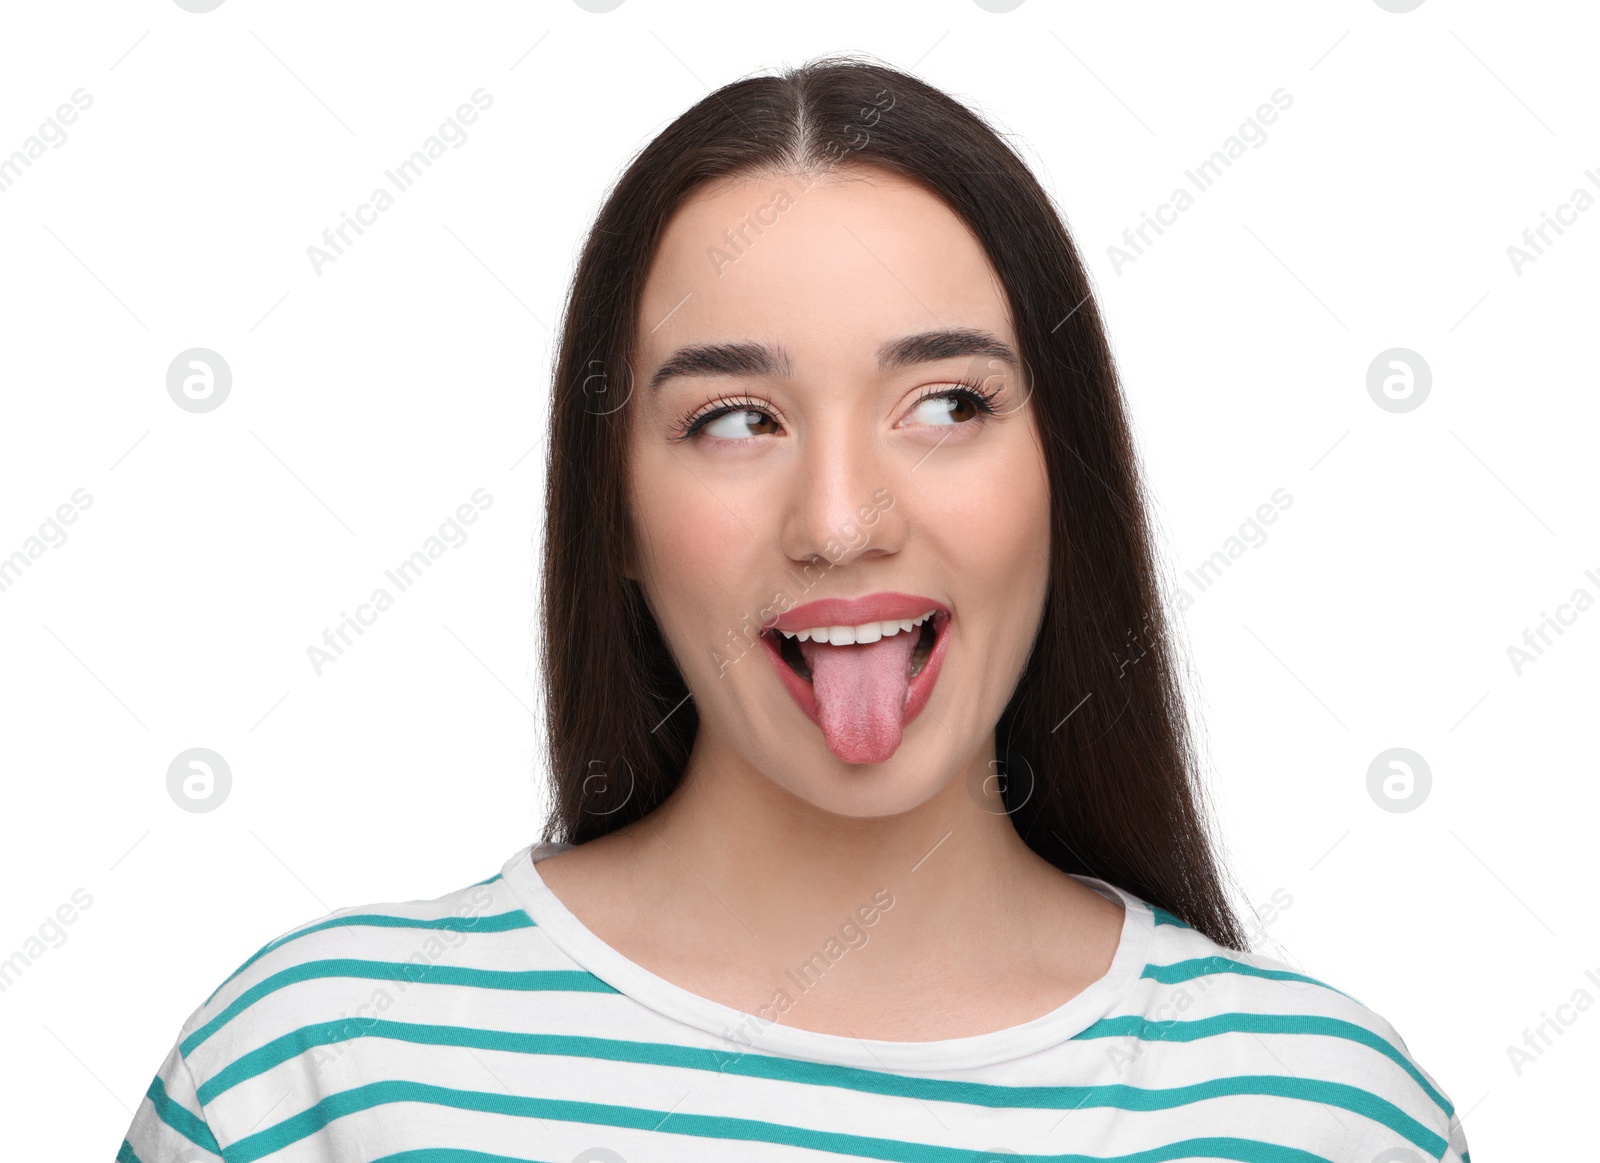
x: 920, y: 690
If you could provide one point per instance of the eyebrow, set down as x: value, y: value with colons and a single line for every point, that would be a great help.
x: 760, y: 359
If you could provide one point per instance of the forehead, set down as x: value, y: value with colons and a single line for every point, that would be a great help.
x: 827, y: 266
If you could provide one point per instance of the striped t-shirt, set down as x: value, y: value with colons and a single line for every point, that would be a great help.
x: 490, y: 1026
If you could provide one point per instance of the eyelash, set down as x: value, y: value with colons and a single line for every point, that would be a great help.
x: 690, y: 425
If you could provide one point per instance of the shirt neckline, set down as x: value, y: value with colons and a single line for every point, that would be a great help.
x: 740, y: 1032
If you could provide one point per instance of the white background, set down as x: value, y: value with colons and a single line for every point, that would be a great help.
x: 370, y: 400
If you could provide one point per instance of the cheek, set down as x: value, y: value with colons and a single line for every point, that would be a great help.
x: 686, y: 529
x: 697, y: 558
x: 994, y: 521
x: 994, y: 539
x: 1014, y: 556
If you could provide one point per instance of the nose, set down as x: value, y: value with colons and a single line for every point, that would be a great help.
x: 844, y: 502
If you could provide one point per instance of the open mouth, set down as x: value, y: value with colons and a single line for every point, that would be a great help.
x: 843, y: 677
x: 928, y: 635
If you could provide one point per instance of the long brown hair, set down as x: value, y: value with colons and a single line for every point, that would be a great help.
x: 1101, y: 774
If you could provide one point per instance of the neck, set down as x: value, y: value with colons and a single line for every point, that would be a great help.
x: 734, y: 853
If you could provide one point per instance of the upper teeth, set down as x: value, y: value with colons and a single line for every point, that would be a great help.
x: 847, y: 635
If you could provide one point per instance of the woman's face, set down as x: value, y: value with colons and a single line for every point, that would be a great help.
x: 799, y: 432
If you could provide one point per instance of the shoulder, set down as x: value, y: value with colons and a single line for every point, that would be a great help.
x: 336, y: 976
x: 333, y: 1005
x: 1252, y: 1023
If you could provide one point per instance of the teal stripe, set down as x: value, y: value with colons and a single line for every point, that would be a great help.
x: 494, y: 923
x: 848, y: 1077
x: 335, y: 1106
x: 126, y: 1155
x: 487, y: 880
x: 1163, y: 917
x: 1132, y: 1025
x: 1180, y: 971
x: 450, y: 1155
x: 1248, y: 1150
x: 565, y: 980
x: 307, y: 1038
x: 180, y: 1118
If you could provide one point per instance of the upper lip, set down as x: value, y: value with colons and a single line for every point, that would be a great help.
x: 887, y: 606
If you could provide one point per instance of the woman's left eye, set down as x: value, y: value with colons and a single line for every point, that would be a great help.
x: 964, y: 400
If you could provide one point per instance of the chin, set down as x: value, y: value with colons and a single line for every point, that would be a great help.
x: 904, y: 782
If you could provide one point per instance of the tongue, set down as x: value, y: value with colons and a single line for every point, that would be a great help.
x: 861, y: 693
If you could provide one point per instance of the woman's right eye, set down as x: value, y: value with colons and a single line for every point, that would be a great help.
x: 730, y: 424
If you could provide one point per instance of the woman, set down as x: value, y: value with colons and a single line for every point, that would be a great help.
x: 876, y: 833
